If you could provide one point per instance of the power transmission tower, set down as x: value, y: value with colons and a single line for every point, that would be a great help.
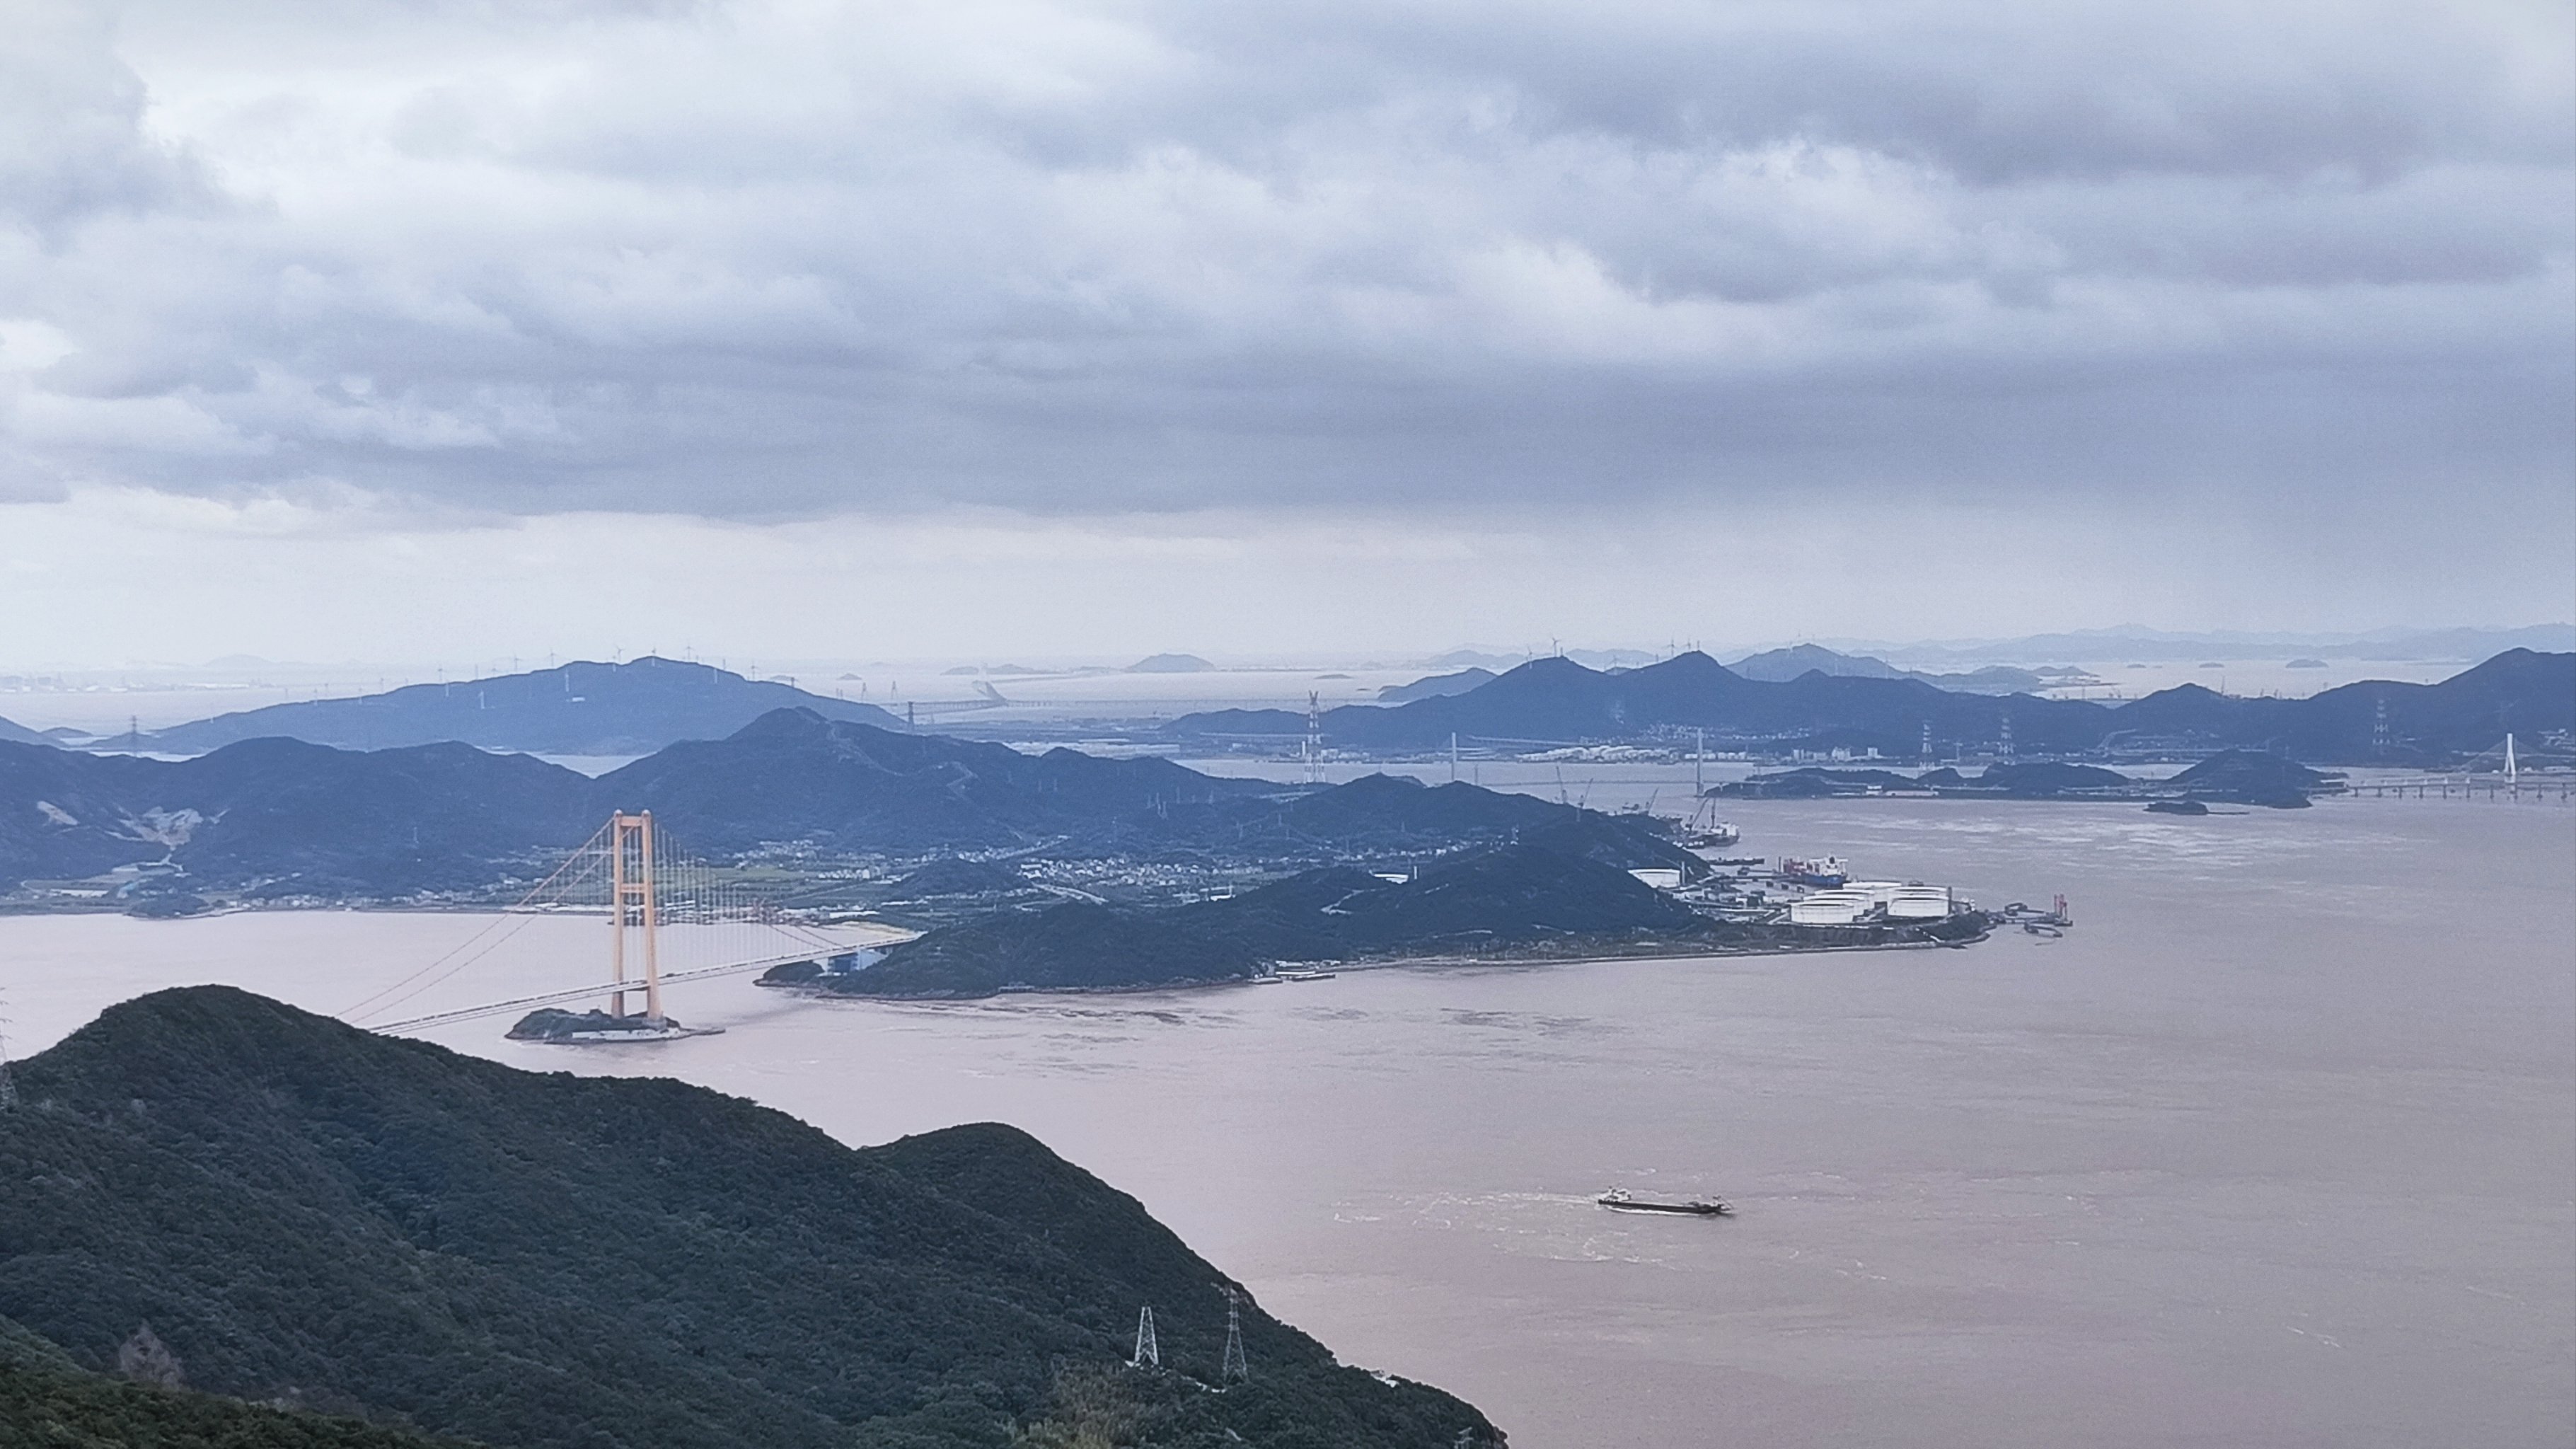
x: 1233, y: 1370
x: 1314, y: 739
x: 8, y: 1083
x: 1149, y: 1354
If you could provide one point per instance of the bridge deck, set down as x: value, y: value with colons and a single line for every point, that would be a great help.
x: 599, y: 988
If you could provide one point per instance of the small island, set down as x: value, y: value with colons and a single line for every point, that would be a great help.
x: 599, y: 1028
x: 1513, y: 903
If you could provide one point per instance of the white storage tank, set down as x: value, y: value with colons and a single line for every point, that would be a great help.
x: 1830, y: 908
x: 1919, y: 903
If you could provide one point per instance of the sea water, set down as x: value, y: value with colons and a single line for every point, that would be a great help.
x: 2277, y: 1146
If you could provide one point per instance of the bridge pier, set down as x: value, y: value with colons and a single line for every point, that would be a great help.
x: 633, y: 905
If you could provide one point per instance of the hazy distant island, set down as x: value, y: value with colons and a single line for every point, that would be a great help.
x: 573, y: 709
x: 218, y: 1193
x: 2236, y: 777
x: 1436, y: 685
x: 1779, y: 666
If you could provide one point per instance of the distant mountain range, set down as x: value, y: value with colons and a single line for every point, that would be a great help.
x: 1553, y: 701
x: 280, y: 818
x: 287, y: 817
x: 576, y: 709
x: 14, y: 733
x: 220, y: 1190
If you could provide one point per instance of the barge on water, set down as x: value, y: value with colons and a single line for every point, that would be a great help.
x: 1620, y: 1200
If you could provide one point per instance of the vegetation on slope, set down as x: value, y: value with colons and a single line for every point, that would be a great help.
x: 1519, y: 899
x: 68, y: 1409
x: 272, y: 818
x: 301, y: 1209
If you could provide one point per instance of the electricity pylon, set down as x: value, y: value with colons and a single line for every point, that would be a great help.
x: 8, y: 1084
x: 1233, y: 1370
x: 1149, y: 1354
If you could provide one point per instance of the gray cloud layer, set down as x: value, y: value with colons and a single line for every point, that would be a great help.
x: 760, y: 260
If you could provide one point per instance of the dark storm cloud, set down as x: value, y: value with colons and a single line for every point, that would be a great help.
x: 753, y: 260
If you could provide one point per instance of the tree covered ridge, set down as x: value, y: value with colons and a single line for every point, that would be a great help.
x: 69, y: 1409
x: 304, y: 1210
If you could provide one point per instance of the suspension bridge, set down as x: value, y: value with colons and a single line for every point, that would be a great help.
x: 672, y: 917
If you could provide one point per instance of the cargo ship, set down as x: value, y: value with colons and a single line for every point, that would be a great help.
x: 1619, y: 1199
x: 1825, y: 871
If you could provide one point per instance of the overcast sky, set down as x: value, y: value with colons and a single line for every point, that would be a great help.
x: 361, y: 329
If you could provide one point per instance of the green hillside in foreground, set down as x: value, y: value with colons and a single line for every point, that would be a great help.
x: 67, y: 1409
x: 302, y: 1211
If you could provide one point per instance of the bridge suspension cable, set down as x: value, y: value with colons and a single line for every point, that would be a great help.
x: 673, y: 915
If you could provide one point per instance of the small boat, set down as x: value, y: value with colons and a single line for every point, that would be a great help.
x: 1619, y: 1199
x: 1303, y: 973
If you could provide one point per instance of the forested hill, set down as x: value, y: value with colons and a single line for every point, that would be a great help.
x: 66, y: 1408
x: 285, y: 817
x: 795, y: 775
x: 277, y: 818
x: 577, y: 709
x: 1559, y: 701
x: 299, y: 1209
x: 1516, y: 898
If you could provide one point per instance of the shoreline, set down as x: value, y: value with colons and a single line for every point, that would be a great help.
x: 1656, y: 951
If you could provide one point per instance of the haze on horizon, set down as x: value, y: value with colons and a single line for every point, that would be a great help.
x: 423, y: 330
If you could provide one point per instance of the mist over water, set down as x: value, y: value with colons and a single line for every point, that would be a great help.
x: 2277, y: 1146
